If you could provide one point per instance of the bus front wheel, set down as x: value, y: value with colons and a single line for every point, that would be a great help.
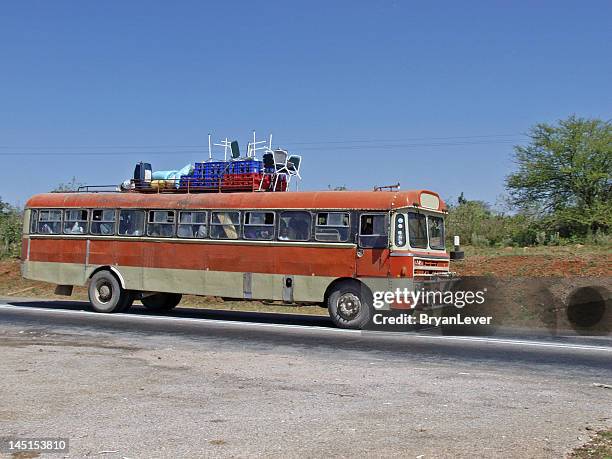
x: 106, y: 293
x: 161, y: 302
x: 349, y: 305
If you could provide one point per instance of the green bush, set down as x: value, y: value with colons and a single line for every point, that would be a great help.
x: 599, y: 238
x: 479, y: 241
x: 11, y: 221
x: 479, y: 225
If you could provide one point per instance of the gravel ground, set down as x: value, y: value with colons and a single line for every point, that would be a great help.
x: 117, y: 394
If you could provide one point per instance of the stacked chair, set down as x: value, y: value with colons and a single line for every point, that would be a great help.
x: 279, y: 168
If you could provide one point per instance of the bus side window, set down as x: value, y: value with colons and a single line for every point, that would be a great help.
x: 192, y: 225
x: 33, y: 220
x: 161, y: 223
x: 131, y: 222
x: 436, y: 232
x: 103, y: 222
x: 294, y: 226
x: 75, y: 221
x: 373, y: 231
x: 259, y: 226
x: 50, y: 221
x: 332, y: 227
x: 225, y: 225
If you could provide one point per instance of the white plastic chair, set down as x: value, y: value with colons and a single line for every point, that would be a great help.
x: 293, y: 166
x: 280, y: 163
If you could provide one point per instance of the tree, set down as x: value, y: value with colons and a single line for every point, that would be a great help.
x: 471, y: 221
x: 10, y: 230
x: 566, y: 171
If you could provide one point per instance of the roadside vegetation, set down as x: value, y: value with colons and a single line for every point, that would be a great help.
x: 10, y: 230
x: 560, y: 194
x: 599, y: 447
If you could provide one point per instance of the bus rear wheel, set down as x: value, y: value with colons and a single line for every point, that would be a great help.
x: 107, y: 295
x: 161, y: 302
x: 349, y: 305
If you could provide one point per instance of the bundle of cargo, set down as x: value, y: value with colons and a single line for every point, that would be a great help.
x: 235, y: 175
x: 147, y: 180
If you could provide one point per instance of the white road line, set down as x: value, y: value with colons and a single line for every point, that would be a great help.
x: 144, y: 317
x: 235, y: 323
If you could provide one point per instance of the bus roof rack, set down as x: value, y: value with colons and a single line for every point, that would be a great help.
x: 395, y: 187
x: 97, y: 188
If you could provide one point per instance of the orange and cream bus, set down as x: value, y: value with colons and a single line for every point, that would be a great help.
x: 333, y: 248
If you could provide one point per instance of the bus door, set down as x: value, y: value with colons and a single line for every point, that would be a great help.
x: 373, y: 245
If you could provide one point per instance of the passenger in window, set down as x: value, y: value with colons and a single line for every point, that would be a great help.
x: 154, y: 229
x: 128, y: 224
x: 125, y: 224
x: 250, y: 233
x: 283, y: 232
x: 185, y: 231
x: 201, y: 233
x: 77, y: 228
x: 106, y: 228
x: 301, y: 229
x: 266, y: 234
x: 368, y: 226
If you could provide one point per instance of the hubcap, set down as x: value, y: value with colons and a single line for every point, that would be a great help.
x: 349, y: 306
x: 104, y: 292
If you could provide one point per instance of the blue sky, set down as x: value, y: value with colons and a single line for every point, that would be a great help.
x: 431, y: 94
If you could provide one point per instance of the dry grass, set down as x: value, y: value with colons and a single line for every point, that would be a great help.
x: 599, y: 447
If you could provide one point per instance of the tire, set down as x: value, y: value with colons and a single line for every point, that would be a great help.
x: 350, y: 305
x: 106, y: 294
x: 161, y: 302
x: 127, y: 302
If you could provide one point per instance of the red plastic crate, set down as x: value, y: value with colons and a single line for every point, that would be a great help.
x: 242, y: 182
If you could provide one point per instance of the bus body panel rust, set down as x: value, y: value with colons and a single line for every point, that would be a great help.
x: 307, y: 261
x: 295, y: 200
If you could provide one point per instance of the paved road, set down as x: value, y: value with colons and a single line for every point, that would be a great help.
x: 218, y: 383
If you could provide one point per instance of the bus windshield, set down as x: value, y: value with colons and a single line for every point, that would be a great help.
x: 417, y: 230
x: 425, y: 231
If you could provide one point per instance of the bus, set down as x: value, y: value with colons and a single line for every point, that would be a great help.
x: 332, y: 248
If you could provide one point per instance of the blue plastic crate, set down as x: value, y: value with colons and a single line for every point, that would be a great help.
x: 246, y: 166
x: 215, y: 170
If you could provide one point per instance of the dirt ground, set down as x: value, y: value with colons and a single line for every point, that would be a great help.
x: 575, y: 260
x: 239, y: 390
